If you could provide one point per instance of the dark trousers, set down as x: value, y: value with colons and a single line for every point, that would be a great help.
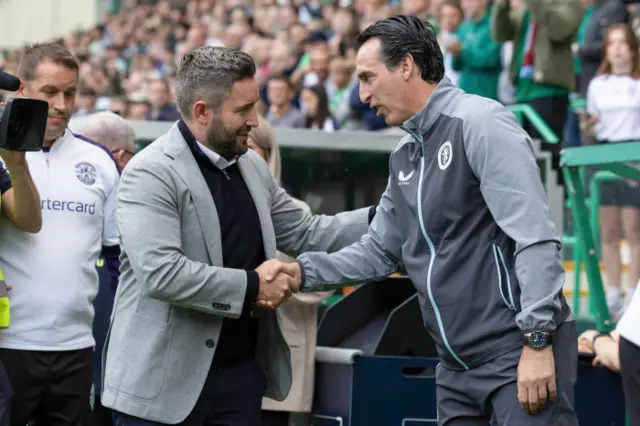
x: 275, y: 418
x: 554, y: 112
x: 630, y: 371
x: 231, y: 396
x: 101, y: 416
x: 49, y: 388
x: 572, y: 134
x: 488, y: 396
x: 5, y: 397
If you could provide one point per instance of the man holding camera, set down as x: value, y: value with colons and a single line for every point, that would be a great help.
x: 47, y: 352
x: 20, y: 205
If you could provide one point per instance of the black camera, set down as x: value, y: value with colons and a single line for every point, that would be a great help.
x: 22, y: 121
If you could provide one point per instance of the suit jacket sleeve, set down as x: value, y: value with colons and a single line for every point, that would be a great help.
x: 298, y: 231
x: 149, y: 225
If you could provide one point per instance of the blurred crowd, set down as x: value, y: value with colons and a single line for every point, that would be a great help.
x: 305, y: 51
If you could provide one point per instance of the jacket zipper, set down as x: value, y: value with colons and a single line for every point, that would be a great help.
x: 500, y: 264
x: 432, y: 255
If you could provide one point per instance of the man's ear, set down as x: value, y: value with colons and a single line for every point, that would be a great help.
x: 407, y: 66
x: 20, y: 91
x: 119, y: 156
x: 201, y: 113
x: 121, y: 163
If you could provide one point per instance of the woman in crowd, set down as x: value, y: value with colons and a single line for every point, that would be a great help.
x: 298, y: 315
x: 613, y: 108
x: 451, y: 16
x: 315, y: 104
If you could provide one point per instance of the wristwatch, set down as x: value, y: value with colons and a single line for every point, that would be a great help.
x: 537, y: 340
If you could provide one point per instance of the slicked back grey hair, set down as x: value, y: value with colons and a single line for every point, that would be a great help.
x: 110, y: 130
x: 208, y: 73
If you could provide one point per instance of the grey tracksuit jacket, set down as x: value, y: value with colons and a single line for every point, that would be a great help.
x: 466, y: 213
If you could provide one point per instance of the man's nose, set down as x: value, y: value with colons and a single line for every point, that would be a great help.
x: 253, y: 118
x: 57, y: 102
x: 365, y: 96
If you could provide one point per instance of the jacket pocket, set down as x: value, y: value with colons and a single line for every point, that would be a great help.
x: 503, y: 278
x: 138, y: 355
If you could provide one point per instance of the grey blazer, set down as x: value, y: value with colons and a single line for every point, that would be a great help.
x: 173, y: 292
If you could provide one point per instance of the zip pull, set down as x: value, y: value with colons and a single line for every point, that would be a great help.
x: 224, y: 172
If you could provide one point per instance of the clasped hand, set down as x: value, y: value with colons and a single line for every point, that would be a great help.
x: 278, y: 281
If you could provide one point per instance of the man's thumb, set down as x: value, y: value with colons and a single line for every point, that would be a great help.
x: 289, y: 269
x: 274, y: 269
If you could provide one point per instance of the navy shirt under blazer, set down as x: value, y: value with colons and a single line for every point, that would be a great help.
x: 242, y: 248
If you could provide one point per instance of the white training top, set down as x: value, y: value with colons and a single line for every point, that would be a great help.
x: 629, y: 324
x: 53, y: 272
x: 615, y: 99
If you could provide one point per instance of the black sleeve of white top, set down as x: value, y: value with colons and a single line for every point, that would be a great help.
x: 5, y: 179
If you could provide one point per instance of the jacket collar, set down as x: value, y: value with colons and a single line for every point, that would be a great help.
x: 419, y: 124
x: 204, y: 156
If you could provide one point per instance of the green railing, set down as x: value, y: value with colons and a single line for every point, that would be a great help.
x: 592, y: 204
x: 522, y: 111
x: 612, y: 158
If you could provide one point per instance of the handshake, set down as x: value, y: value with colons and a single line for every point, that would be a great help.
x: 278, y: 281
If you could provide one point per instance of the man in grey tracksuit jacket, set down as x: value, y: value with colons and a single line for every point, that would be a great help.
x: 465, y: 212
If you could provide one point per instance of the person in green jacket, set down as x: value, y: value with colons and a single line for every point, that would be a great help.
x: 476, y: 55
x: 542, y: 65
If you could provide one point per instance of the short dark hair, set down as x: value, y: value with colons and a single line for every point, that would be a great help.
x: 404, y: 35
x: 283, y: 78
x: 32, y: 55
x: 209, y: 73
x: 452, y: 3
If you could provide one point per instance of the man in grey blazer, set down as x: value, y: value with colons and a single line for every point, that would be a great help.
x: 192, y: 340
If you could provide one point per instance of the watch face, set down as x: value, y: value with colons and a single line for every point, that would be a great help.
x: 537, y: 340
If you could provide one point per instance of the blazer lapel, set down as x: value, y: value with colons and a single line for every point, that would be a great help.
x: 186, y: 167
x: 260, y: 199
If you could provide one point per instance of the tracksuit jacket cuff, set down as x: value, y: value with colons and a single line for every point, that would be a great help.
x: 302, y: 275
